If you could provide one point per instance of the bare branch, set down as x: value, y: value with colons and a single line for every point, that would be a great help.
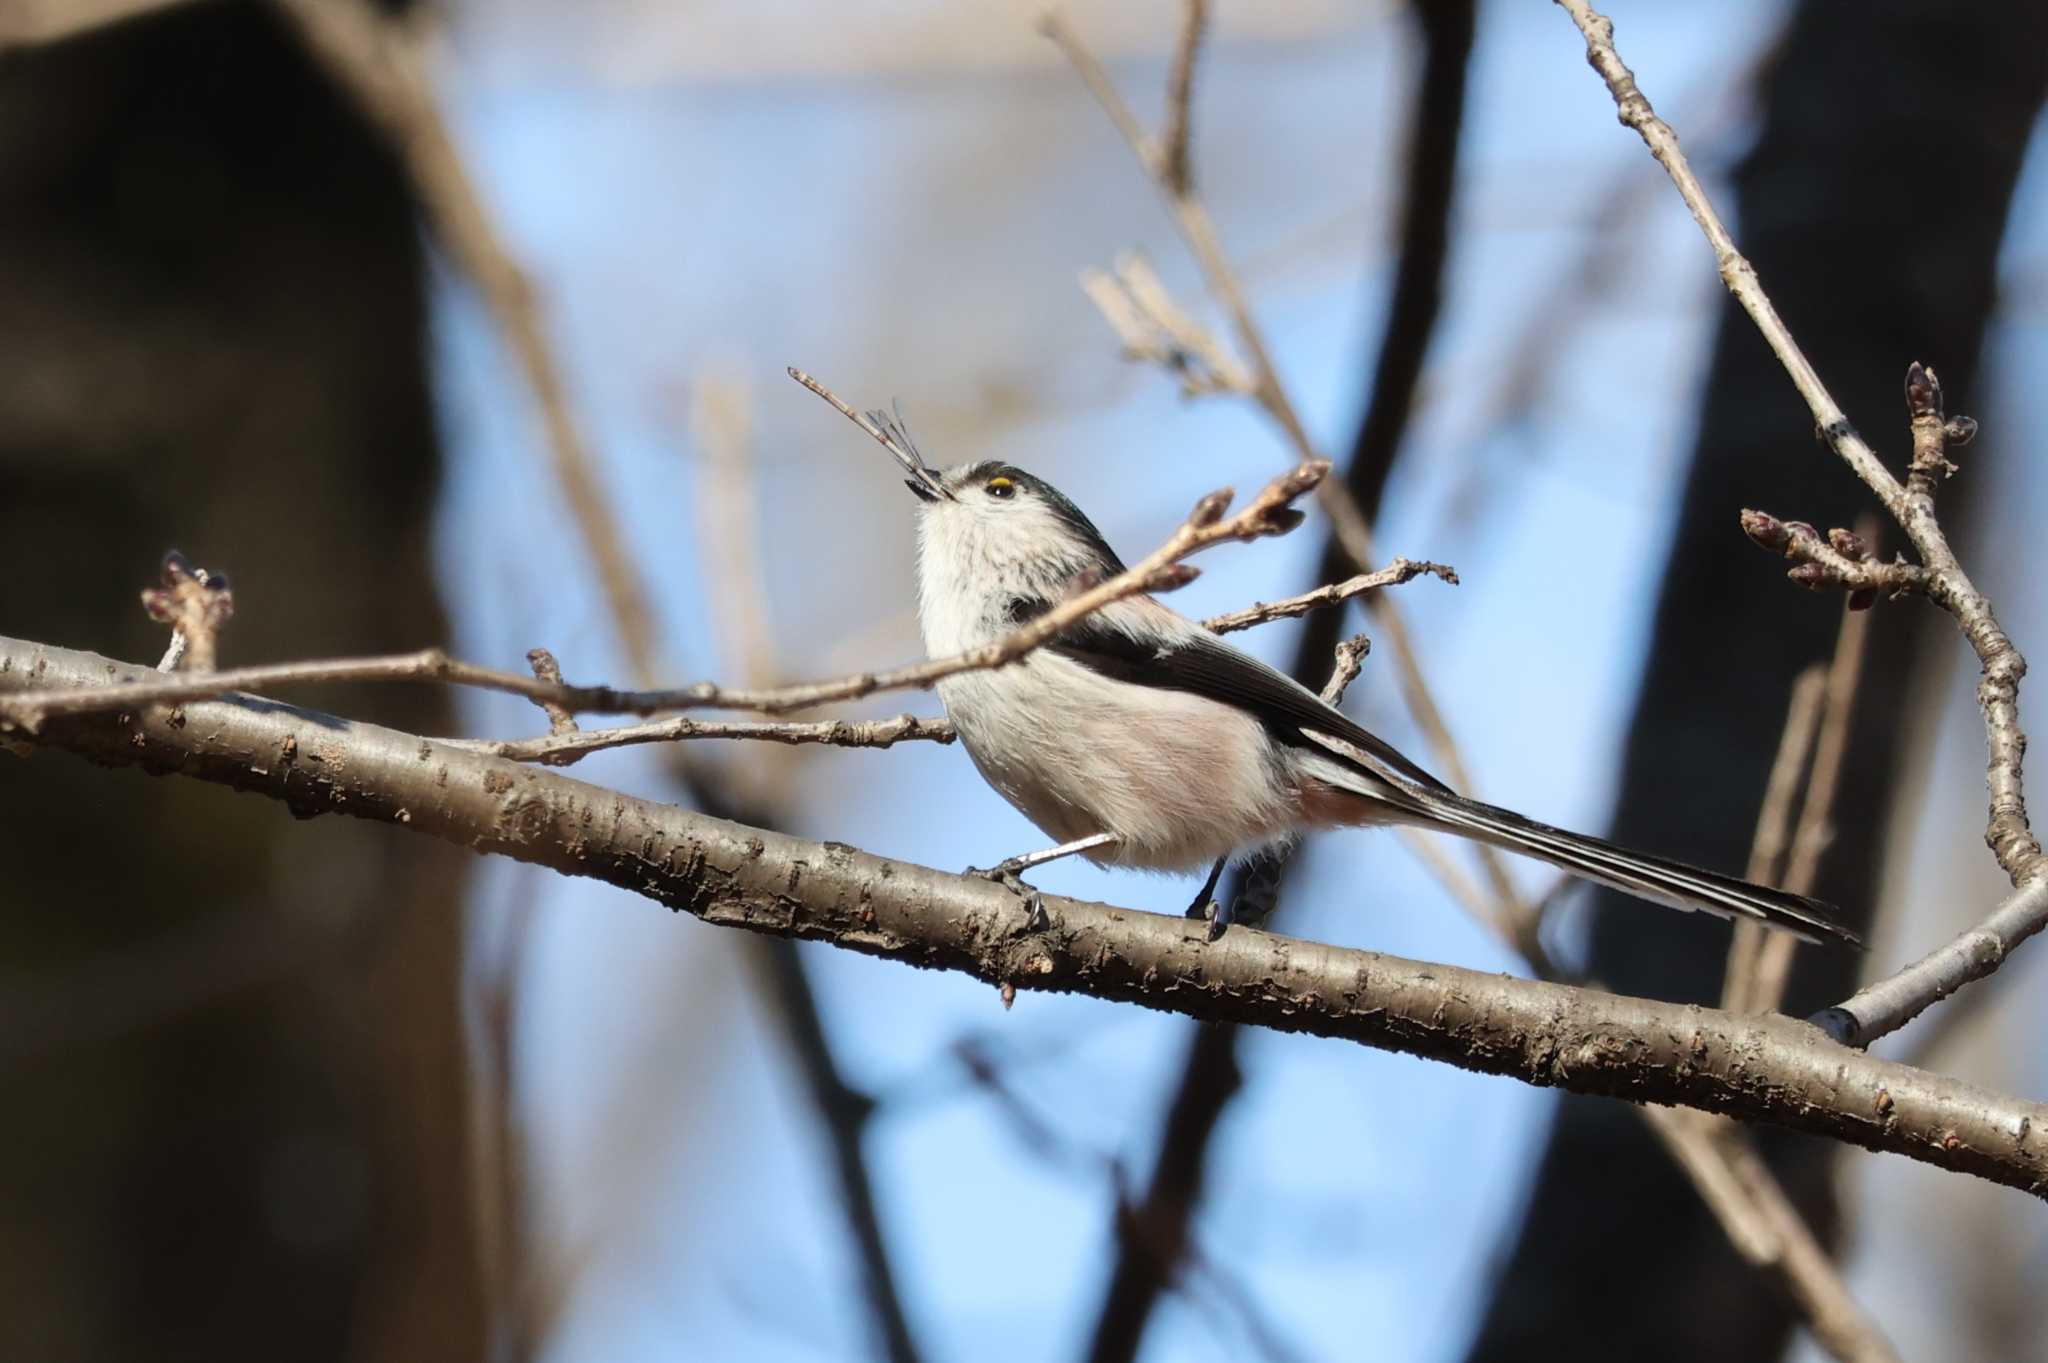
x: 1841, y: 558
x: 1401, y: 570
x: 1815, y: 831
x: 1200, y: 234
x: 379, y: 62
x: 1348, y: 523
x: 1762, y: 1068
x: 1156, y: 330
x: 1736, y: 271
x: 1890, y: 1004
x: 560, y: 722
x: 1269, y: 513
x: 1768, y: 1231
x: 1175, y: 169
x: 561, y: 750
x: 1773, y: 830
x: 1350, y: 661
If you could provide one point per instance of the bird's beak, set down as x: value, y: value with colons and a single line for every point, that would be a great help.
x: 924, y: 482
x: 887, y: 428
x: 924, y: 485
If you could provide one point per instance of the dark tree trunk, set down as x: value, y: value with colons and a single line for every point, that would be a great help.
x: 1872, y: 206
x: 236, y: 1098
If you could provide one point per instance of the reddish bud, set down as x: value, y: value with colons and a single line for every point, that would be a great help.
x: 1210, y: 509
x: 1812, y: 576
x: 1863, y: 598
x: 1849, y: 544
x: 1959, y: 431
x: 1800, y: 530
x: 1766, y: 530
x: 1923, y: 391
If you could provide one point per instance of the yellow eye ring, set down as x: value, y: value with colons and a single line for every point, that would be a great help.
x: 1001, y: 487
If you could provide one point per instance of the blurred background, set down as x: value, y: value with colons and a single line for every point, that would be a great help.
x: 301, y: 1090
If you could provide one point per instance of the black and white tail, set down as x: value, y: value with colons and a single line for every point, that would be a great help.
x: 1657, y: 879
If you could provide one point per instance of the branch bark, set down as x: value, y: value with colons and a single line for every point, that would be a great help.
x: 1766, y: 1069
x: 1882, y: 1008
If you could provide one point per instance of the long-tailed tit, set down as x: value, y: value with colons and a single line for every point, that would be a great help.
x: 1138, y: 738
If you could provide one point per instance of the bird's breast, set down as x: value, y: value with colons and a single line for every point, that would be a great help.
x: 1179, y: 778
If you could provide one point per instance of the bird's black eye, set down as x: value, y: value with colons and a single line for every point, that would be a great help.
x: 1001, y: 488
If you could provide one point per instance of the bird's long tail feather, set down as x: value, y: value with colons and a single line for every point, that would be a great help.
x: 1657, y: 879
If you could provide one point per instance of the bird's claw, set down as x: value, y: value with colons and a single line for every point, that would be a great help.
x: 1004, y: 873
x: 1217, y: 914
x: 1207, y: 907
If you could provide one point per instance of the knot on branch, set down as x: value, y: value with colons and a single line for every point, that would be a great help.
x: 1840, y: 559
x: 195, y: 603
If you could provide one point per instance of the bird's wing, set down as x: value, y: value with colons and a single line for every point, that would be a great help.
x: 1196, y: 661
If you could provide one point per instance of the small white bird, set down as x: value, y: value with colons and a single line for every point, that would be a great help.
x: 1138, y: 738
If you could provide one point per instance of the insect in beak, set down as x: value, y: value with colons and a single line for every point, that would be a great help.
x: 923, y: 481
x: 894, y: 436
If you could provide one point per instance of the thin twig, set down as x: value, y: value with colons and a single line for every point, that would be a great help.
x: 560, y: 722
x: 1401, y: 570
x: 1891, y: 1003
x: 1207, y: 525
x: 1737, y: 273
x: 1350, y: 661
x: 1815, y: 831
x: 378, y: 60
x: 564, y: 749
x: 1176, y: 167
x: 1156, y: 330
x: 1773, y: 830
x: 1768, y: 1231
x: 729, y: 514
x: 1348, y: 522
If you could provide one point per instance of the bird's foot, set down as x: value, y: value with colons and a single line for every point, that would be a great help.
x: 1004, y: 873
x: 1207, y: 907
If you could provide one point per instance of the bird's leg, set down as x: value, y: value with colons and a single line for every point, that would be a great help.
x: 1261, y: 891
x: 1205, y: 905
x: 1005, y: 873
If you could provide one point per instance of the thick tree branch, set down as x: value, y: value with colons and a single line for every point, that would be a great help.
x: 1769, y: 1069
x: 1892, y: 1003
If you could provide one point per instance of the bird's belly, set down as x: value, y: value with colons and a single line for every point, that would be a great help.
x: 1181, y: 780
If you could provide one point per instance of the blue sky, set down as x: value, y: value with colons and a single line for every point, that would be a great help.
x: 912, y: 228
